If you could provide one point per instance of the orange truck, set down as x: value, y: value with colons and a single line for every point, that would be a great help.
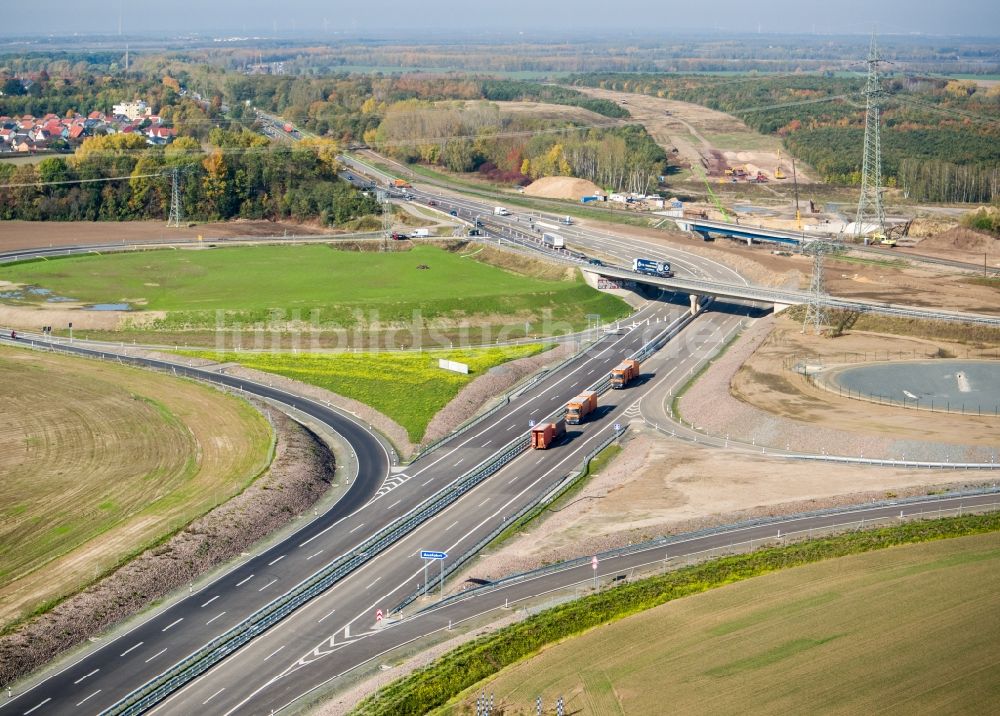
x: 624, y: 373
x: 580, y: 407
x: 401, y: 183
x: 542, y: 436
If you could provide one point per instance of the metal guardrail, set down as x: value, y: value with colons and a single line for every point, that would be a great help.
x: 207, y: 656
x: 666, y: 540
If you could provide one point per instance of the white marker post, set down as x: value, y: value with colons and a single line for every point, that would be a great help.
x: 593, y: 563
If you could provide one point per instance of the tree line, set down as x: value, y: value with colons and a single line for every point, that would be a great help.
x: 238, y: 174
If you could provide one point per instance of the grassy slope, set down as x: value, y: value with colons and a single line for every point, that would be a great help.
x: 479, y: 660
x: 98, y: 459
x: 251, y: 281
x: 407, y: 386
x: 906, y: 630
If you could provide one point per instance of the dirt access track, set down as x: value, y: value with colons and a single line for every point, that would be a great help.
x: 704, y: 137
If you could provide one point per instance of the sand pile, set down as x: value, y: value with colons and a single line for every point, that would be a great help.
x: 562, y: 188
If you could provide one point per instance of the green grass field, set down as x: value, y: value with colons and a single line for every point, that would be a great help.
x: 911, y: 629
x: 407, y: 386
x: 345, y: 289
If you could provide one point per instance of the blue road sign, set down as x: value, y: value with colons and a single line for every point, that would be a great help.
x: 430, y: 554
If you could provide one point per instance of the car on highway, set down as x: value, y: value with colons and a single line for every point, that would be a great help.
x: 453, y: 212
x: 397, y: 236
x: 595, y: 262
x: 432, y: 203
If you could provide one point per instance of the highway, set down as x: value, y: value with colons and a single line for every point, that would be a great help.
x: 276, y: 667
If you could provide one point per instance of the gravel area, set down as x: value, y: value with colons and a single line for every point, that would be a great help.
x: 300, y: 474
x: 710, y: 406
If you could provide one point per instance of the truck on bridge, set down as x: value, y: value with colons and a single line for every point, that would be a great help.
x: 580, y: 407
x: 652, y: 268
x: 624, y: 373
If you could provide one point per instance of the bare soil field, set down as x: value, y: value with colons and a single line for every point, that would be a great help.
x: 560, y: 112
x: 961, y: 244
x: 705, y: 138
x: 904, y: 630
x: 99, y: 460
x: 37, y: 234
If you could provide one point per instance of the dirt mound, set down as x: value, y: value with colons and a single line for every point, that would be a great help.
x: 964, y: 240
x: 562, y: 188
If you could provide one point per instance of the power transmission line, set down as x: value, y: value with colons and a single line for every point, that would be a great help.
x: 870, y: 203
x: 174, y: 219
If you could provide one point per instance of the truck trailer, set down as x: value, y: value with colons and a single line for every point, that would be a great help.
x: 542, y: 436
x: 624, y: 373
x: 652, y: 268
x: 580, y: 407
x: 401, y: 183
x: 553, y: 241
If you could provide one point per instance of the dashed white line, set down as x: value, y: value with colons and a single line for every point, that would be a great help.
x: 483, y: 502
x: 131, y: 648
x: 214, y: 598
x: 372, y: 584
x: 214, y: 618
x: 274, y: 652
x: 451, y: 525
x: 87, y: 676
x: 275, y: 560
x: 459, y: 462
x: 213, y: 696
x: 534, y: 411
x: 242, y: 582
x: 38, y: 706
x: 356, y: 528
x: 315, y: 554
x: 80, y: 703
x: 511, y: 481
x: 173, y: 623
x: 326, y: 615
x: 511, y: 427
x: 158, y: 653
x: 267, y: 585
x: 486, y: 443
x: 425, y: 484
x: 394, y: 504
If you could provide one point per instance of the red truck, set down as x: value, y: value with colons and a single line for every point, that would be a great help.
x: 288, y: 127
x: 624, y: 373
x: 580, y: 407
x: 542, y: 436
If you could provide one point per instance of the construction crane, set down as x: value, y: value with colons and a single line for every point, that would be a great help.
x: 778, y: 174
x: 715, y: 199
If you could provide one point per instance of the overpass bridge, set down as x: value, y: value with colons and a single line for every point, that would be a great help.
x: 706, y: 227
x: 781, y: 298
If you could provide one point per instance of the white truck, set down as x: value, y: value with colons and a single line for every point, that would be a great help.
x: 553, y: 241
x: 420, y: 233
x: 500, y: 211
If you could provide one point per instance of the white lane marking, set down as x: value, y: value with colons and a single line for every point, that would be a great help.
x: 486, y: 443
x: 372, y: 584
x: 80, y: 703
x: 425, y: 484
x: 459, y: 462
x: 211, y: 600
x: 173, y: 623
x: 511, y: 481
x: 267, y: 585
x: 451, y: 525
x: 394, y: 504
x: 483, y: 502
x: 214, y: 618
x: 213, y: 696
x: 274, y: 652
x: 326, y: 615
x: 38, y: 706
x: 87, y: 676
x: 534, y: 411
x: 131, y: 648
x: 356, y: 528
x: 511, y: 428
x: 275, y: 560
x: 241, y: 583
x: 159, y: 652
x: 316, y: 554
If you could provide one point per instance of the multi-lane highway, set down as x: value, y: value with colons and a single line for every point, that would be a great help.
x: 287, y: 660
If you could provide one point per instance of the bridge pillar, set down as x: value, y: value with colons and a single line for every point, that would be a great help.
x: 695, y: 305
x: 779, y: 307
x: 703, y: 234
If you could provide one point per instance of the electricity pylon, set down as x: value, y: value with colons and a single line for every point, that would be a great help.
x: 870, y: 209
x: 174, y: 218
x: 816, y: 313
x: 386, y: 205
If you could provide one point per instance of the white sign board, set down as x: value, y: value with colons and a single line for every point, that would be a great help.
x: 453, y: 366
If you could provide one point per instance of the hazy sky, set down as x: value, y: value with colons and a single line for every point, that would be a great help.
x: 969, y: 17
